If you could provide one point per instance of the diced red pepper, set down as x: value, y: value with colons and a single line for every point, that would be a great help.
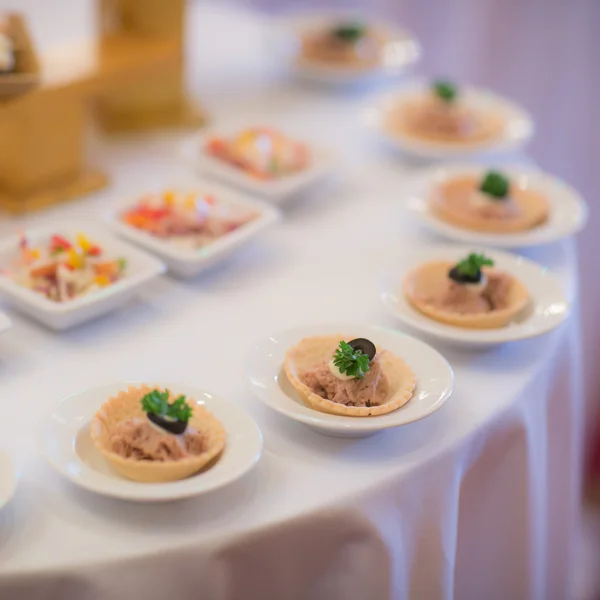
x: 59, y: 243
x: 156, y: 214
x: 95, y: 251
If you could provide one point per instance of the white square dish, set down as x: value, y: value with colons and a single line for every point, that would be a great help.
x: 5, y: 323
x: 187, y: 262
x: 276, y: 190
x: 141, y: 268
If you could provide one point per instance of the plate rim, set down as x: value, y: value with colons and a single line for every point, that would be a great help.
x: 14, y: 480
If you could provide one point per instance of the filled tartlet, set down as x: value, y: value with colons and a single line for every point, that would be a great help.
x: 441, y: 114
x: 340, y: 375
x: 345, y: 44
x: 63, y: 269
x: 186, y: 219
x: 148, y: 435
x: 470, y: 293
x: 263, y: 153
x: 492, y: 203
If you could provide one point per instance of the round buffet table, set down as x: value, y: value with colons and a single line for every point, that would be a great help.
x: 477, y: 501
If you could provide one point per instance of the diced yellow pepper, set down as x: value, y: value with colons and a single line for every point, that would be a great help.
x: 169, y: 198
x: 102, y: 280
x: 190, y: 202
x: 75, y: 260
x: 83, y: 242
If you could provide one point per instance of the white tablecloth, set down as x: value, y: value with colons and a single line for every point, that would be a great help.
x: 477, y: 501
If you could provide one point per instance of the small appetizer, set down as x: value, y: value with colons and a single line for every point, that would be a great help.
x: 264, y: 153
x: 491, y: 204
x: 351, y: 378
x: 66, y: 269
x: 441, y: 115
x: 346, y: 44
x: 468, y: 294
x: 190, y: 220
x: 148, y: 435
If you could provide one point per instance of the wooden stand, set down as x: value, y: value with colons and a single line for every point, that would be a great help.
x: 132, y: 77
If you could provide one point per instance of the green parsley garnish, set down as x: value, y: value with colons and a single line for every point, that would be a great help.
x: 349, y: 32
x: 122, y: 264
x: 351, y: 362
x: 471, y: 266
x: 495, y: 184
x: 445, y: 90
x: 157, y: 402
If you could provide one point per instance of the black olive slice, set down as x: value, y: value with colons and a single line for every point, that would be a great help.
x: 460, y: 277
x: 365, y: 346
x: 174, y: 427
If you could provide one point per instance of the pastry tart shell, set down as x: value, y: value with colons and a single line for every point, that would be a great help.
x: 311, y: 351
x: 126, y: 405
x: 426, y: 278
x: 534, y: 211
x: 401, y: 121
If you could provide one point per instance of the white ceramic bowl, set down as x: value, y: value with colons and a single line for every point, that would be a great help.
x: 187, y: 262
x: 547, y: 307
x: 8, y: 479
x: 64, y: 440
x: 141, y: 268
x: 269, y: 383
x: 276, y: 190
x: 401, y: 50
x: 568, y: 210
x: 518, y: 130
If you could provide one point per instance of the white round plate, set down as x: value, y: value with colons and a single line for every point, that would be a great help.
x: 568, y: 210
x: 8, y: 479
x: 517, y: 132
x: 269, y: 383
x: 547, y: 306
x: 65, y: 441
x: 402, y: 49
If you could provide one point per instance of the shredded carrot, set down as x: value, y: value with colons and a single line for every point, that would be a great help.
x: 107, y: 269
x: 48, y: 270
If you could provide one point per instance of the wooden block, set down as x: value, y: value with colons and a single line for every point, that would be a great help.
x: 154, y: 102
x: 41, y: 139
x: 27, y: 73
x: 147, y: 18
x: 53, y: 192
